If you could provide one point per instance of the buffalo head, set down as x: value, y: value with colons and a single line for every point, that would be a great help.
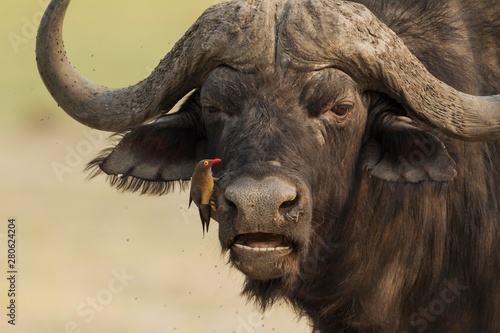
x: 298, y: 98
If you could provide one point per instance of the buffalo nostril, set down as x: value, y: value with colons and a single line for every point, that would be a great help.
x: 231, y: 204
x: 288, y: 205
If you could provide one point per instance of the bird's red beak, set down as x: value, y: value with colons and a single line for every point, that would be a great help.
x: 216, y: 160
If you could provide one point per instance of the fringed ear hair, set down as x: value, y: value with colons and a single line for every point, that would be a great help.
x: 151, y: 159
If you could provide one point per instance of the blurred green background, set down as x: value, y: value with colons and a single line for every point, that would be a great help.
x: 91, y: 259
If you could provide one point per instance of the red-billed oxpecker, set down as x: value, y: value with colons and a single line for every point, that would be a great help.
x: 202, y: 186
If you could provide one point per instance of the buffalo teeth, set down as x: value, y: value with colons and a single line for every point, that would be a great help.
x: 262, y: 249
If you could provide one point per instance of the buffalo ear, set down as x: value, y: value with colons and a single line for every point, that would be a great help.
x: 400, y: 151
x: 154, y: 158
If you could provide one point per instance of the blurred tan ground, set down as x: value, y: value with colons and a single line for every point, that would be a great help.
x: 72, y: 233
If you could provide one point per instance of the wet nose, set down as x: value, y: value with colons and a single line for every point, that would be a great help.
x: 262, y: 200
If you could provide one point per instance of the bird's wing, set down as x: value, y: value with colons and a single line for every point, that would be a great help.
x: 195, y: 195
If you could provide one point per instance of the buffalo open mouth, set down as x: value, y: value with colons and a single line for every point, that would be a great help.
x: 263, y: 242
x: 262, y: 256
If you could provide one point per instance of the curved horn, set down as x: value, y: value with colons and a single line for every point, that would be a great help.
x: 185, y: 67
x: 355, y: 41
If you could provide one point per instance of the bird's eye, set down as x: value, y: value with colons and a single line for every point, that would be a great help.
x: 206, y: 163
x: 342, y: 110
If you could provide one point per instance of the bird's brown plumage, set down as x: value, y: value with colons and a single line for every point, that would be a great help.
x: 202, y: 186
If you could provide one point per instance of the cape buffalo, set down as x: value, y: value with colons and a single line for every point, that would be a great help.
x: 359, y: 142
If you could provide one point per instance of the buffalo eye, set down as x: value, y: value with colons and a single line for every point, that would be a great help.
x: 341, y: 110
x: 212, y: 109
